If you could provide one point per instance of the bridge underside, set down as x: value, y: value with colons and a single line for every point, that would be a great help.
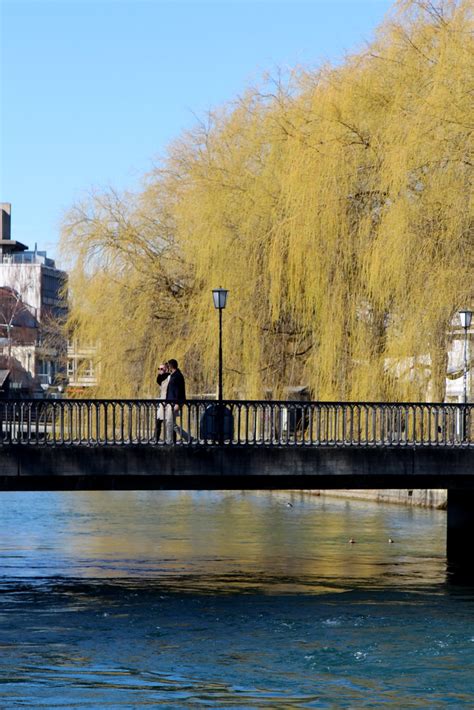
x: 199, y: 468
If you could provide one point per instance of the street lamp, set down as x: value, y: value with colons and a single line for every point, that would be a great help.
x: 466, y: 318
x: 220, y: 299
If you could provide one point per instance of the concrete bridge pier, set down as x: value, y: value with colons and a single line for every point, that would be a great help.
x: 460, y: 534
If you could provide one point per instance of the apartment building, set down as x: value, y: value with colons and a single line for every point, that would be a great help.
x: 460, y: 352
x: 32, y: 305
x: 81, y: 369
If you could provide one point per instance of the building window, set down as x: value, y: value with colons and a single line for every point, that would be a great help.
x: 85, y: 368
x: 45, y: 371
x: 51, y: 286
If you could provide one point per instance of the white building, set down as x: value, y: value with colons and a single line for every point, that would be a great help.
x: 32, y: 303
x: 81, y: 369
x: 455, y: 374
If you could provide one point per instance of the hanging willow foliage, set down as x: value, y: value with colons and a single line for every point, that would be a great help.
x: 337, y: 210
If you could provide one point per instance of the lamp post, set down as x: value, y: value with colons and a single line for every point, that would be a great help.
x: 466, y: 318
x: 220, y: 299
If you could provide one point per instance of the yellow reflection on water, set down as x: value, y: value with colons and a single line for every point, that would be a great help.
x: 248, y: 540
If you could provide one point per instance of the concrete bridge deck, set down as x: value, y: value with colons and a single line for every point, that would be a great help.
x: 232, y: 467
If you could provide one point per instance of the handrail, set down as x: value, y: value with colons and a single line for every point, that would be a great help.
x: 256, y: 423
x: 197, y: 400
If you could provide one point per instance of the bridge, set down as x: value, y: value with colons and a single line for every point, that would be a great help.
x: 115, y: 444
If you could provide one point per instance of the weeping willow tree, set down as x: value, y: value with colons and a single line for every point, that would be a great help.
x: 129, y: 287
x: 337, y: 210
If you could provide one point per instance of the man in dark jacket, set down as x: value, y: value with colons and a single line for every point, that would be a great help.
x: 176, y: 393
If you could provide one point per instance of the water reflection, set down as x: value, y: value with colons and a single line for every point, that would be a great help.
x: 223, y: 541
x: 228, y: 600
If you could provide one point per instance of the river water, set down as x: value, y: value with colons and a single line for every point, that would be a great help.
x: 228, y: 600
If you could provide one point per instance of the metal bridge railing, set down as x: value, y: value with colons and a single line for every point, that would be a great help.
x: 236, y: 423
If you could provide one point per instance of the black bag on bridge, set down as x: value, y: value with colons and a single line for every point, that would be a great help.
x: 216, y: 423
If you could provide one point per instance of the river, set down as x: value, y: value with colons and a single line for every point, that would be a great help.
x: 228, y: 600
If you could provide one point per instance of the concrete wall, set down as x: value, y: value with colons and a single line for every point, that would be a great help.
x: 40, y: 467
x: 424, y: 497
x: 26, y: 280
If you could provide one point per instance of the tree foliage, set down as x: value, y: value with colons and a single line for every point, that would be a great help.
x: 336, y: 206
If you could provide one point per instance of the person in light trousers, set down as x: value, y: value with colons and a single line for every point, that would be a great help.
x: 162, y: 381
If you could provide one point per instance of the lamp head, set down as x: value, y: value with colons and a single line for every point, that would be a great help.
x: 220, y: 297
x: 466, y: 318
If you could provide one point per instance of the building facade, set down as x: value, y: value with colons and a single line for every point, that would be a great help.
x: 459, y: 353
x: 81, y: 368
x: 32, y: 308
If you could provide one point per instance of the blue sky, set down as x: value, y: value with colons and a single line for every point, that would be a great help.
x: 92, y: 91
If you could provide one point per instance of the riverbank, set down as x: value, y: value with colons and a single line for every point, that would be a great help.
x: 435, y: 498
